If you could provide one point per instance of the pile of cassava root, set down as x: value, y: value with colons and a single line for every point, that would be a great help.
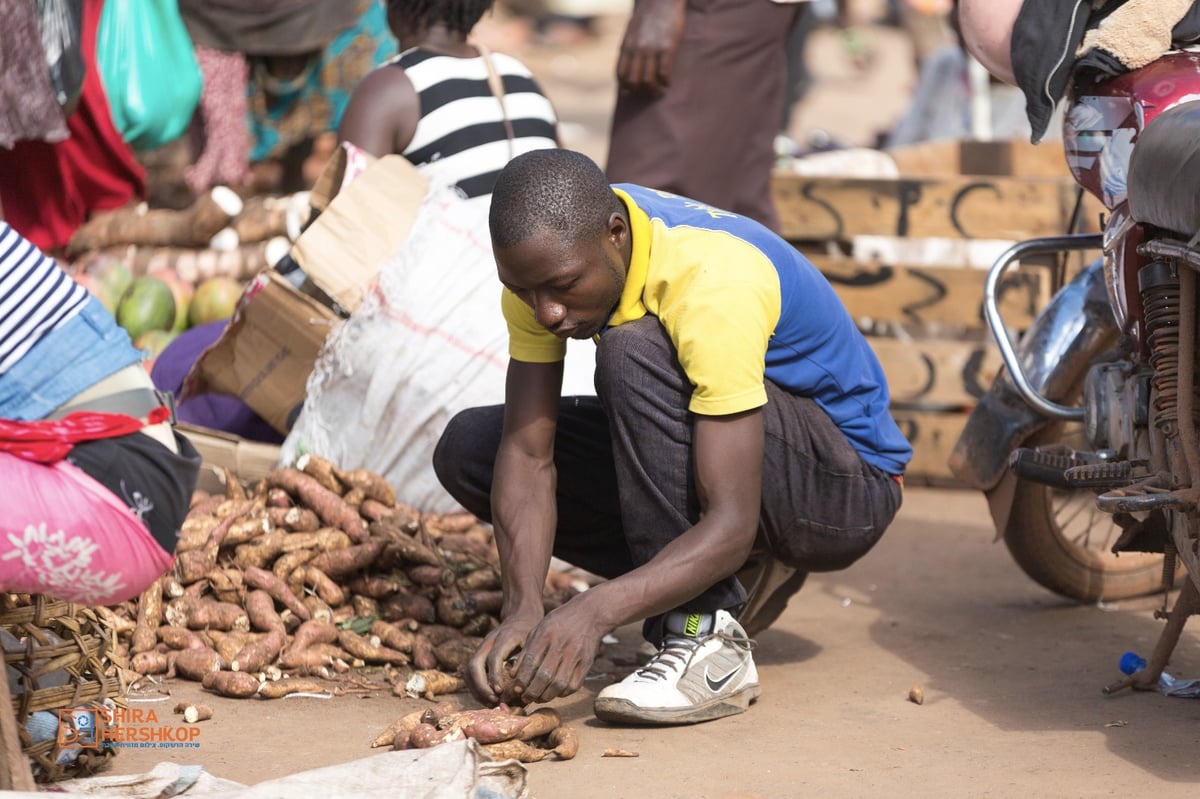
x: 312, y: 573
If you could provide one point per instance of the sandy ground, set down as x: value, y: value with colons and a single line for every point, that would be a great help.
x: 1011, y: 674
x: 1011, y: 677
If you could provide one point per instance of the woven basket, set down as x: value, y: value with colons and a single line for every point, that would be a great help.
x: 58, y: 659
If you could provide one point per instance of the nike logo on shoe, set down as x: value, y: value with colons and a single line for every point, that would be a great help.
x: 718, y: 684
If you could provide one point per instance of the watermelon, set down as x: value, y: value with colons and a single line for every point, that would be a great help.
x: 215, y: 298
x: 147, y: 305
x: 107, y: 278
x: 182, y: 291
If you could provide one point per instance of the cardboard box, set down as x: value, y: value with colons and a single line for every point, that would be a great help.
x: 268, y: 351
x: 250, y: 461
x: 364, y: 224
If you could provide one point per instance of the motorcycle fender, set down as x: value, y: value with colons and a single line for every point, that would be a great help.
x: 1075, y: 326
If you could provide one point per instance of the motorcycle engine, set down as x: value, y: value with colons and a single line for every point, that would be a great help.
x: 1116, y: 399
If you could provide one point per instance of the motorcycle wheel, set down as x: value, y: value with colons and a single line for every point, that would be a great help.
x: 1062, y: 540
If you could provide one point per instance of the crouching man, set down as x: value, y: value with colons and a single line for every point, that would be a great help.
x: 741, y: 423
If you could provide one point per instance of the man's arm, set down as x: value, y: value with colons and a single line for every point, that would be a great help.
x: 728, y: 458
x: 648, y: 48
x: 524, y: 515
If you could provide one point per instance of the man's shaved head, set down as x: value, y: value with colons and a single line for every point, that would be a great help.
x: 558, y: 190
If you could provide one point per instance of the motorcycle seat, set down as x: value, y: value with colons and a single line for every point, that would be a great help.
x: 1164, y: 171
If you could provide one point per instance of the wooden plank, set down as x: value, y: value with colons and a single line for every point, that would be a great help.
x: 813, y: 208
x: 937, y: 373
x: 932, y: 436
x: 955, y: 157
x: 925, y: 295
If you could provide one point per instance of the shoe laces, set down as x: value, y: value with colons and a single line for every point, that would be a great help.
x: 678, y: 650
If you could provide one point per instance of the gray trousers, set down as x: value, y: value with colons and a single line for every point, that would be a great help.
x: 626, y: 483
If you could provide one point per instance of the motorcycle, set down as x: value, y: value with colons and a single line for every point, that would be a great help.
x: 1087, y: 444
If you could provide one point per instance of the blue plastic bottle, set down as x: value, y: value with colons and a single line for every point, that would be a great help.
x: 1167, y: 685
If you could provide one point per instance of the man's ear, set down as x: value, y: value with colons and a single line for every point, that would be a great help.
x: 618, y: 229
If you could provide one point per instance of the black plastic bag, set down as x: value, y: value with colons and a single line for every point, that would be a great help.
x: 61, y: 22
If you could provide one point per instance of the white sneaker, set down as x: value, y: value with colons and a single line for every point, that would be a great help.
x: 691, y: 679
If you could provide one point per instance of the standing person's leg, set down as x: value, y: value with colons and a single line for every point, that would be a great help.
x: 711, y: 135
x: 589, y: 516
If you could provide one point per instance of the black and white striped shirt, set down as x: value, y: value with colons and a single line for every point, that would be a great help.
x: 36, y: 296
x: 460, y: 137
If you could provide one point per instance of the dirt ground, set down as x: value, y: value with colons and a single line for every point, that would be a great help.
x: 1011, y: 674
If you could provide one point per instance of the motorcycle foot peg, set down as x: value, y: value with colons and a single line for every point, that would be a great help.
x: 1040, y: 466
x: 1100, y: 475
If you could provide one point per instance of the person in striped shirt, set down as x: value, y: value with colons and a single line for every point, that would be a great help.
x: 435, y: 105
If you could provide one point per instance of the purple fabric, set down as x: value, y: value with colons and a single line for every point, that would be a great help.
x: 214, y: 411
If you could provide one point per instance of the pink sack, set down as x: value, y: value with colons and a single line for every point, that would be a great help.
x: 64, y: 534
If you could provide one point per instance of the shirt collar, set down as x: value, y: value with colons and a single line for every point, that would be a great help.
x: 630, y: 306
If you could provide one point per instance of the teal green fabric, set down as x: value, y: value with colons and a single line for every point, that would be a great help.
x: 286, y: 112
x: 148, y: 67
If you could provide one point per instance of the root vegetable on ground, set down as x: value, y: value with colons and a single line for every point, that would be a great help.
x: 256, y: 656
x: 361, y: 647
x: 195, y: 664
x: 193, y: 713
x: 233, y: 684
x: 428, y: 683
x: 327, y: 504
x: 192, y: 227
x: 516, y: 749
x: 427, y: 736
x: 393, y: 636
x: 565, y: 742
x: 276, y: 590
x: 345, y: 562
x: 321, y: 470
x: 150, y: 610
x: 200, y: 614
x: 326, y: 587
x: 290, y: 685
x: 371, y: 484
x: 151, y: 662
x: 295, y: 519
x: 179, y: 637
x: 396, y: 734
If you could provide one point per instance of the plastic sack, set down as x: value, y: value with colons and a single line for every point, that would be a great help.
x: 148, y: 67
x: 64, y: 534
x: 61, y: 22
x: 428, y: 341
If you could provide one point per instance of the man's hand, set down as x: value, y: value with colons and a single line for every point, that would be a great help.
x: 558, y: 653
x: 648, y: 49
x: 487, y: 676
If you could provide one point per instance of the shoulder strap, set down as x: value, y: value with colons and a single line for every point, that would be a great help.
x: 497, y: 87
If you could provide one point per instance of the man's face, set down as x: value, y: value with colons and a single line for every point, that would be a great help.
x: 572, y: 289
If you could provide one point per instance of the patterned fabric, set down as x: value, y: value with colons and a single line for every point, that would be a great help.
x: 460, y: 136
x: 49, y: 189
x: 64, y: 534
x: 225, y: 157
x: 28, y: 107
x: 284, y: 113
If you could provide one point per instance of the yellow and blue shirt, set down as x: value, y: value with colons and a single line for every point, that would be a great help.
x: 740, y: 304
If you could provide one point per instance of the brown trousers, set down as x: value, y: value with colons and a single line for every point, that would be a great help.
x: 711, y: 135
